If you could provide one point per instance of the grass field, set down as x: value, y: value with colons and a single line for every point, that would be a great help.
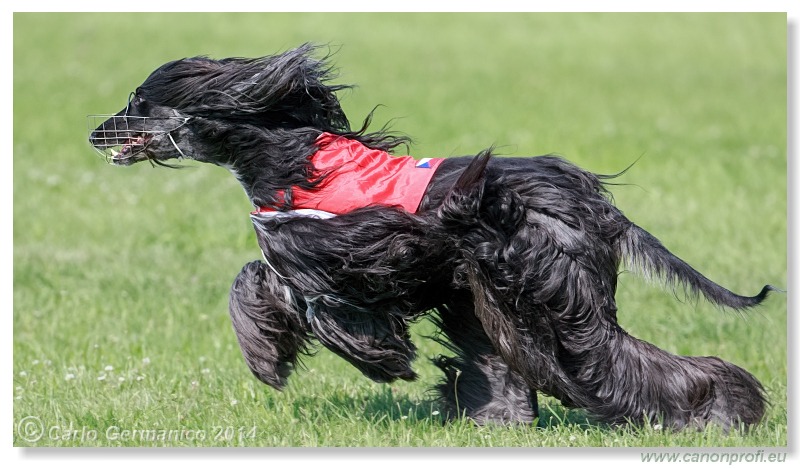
x: 121, y: 276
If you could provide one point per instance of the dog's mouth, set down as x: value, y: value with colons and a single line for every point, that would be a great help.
x: 131, y: 151
x: 125, y: 140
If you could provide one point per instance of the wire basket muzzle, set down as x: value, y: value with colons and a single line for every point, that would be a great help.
x: 113, y: 135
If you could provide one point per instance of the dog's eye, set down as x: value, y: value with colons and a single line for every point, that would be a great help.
x: 137, y: 101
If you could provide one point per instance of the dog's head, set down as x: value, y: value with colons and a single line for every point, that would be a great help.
x: 141, y: 131
x: 189, y: 108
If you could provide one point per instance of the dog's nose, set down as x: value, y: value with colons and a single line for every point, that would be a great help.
x: 100, y: 138
x: 96, y: 125
x: 94, y: 139
x: 102, y: 129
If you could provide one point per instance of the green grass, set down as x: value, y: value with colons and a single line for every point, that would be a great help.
x: 121, y: 275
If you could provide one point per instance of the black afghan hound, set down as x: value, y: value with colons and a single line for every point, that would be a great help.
x: 516, y: 259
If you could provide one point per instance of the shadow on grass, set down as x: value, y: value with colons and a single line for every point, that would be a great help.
x: 553, y: 415
x: 374, y: 406
x: 386, y: 405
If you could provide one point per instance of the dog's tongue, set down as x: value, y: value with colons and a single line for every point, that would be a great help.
x: 127, y: 148
x: 136, y: 142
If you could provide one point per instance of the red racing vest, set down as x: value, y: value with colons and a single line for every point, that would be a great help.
x: 357, y: 176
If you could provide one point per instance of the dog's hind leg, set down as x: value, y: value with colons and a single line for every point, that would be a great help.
x: 541, y: 250
x: 269, y: 321
x: 478, y: 384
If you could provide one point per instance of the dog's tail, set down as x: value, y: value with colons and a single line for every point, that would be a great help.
x: 644, y: 253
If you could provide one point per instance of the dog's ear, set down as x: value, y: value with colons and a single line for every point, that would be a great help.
x: 270, y: 331
x: 291, y: 88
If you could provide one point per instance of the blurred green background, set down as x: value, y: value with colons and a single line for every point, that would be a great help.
x: 121, y: 274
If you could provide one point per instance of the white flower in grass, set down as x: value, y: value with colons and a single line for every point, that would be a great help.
x: 139, y: 378
x: 146, y: 361
x: 23, y: 373
x: 120, y: 379
x: 404, y: 417
x: 202, y: 359
x: 573, y: 438
x: 435, y: 412
x: 35, y: 362
x: 234, y: 402
x: 109, y: 368
x: 101, y: 378
x: 69, y: 376
x: 205, y: 371
x: 657, y: 427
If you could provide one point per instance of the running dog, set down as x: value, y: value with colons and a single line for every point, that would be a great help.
x: 515, y: 259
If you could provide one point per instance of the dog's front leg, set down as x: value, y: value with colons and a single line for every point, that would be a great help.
x: 269, y: 321
x: 374, y: 341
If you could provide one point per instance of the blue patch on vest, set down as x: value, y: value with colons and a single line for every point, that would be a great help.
x: 423, y: 163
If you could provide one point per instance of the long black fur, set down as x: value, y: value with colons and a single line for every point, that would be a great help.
x: 516, y: 259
